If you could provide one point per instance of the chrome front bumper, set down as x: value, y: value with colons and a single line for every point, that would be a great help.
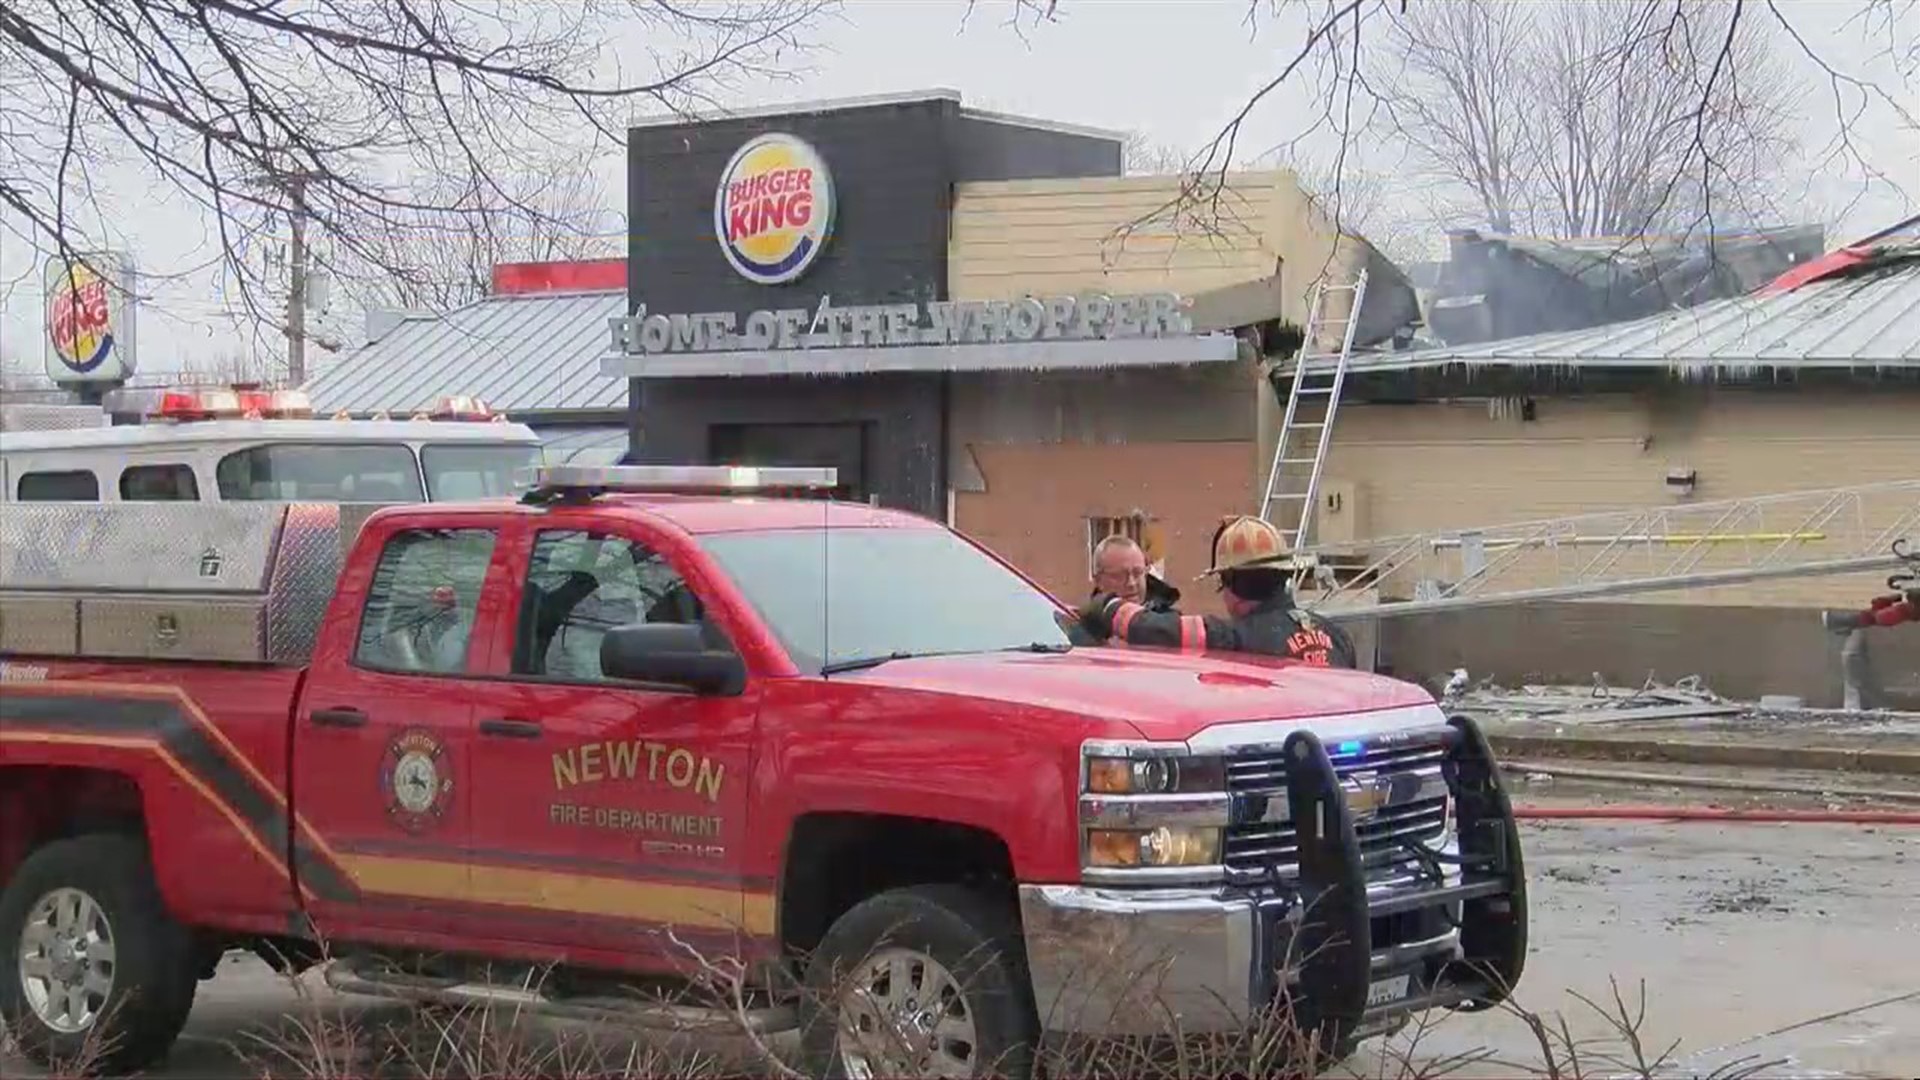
x: 1111, y: 962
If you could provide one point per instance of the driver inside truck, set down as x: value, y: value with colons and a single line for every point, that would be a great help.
x: 549, y: 605
x: 583, y: 586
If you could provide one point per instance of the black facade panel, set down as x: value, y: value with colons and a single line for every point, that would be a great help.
x: 904, y: 411
x: 893, y: 169
x: 891, y: 182
x: 989, y: 150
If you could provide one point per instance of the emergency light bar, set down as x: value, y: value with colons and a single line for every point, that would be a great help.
x: 563, y: 480
x: 244, y: 402
x: 459, y: 407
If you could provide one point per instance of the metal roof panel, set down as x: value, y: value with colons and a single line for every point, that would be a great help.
x: 518, y: 353
x: 1867, y: 320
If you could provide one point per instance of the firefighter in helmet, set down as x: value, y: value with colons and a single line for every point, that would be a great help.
x: 1253, y: 567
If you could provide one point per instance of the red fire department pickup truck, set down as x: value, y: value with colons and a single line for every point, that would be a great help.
x: 634, y: 721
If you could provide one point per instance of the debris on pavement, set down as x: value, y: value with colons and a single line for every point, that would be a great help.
x: 1689, y: 698
x: 1599, y: 702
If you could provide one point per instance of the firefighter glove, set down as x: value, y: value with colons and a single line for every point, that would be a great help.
x: 1096, y: 616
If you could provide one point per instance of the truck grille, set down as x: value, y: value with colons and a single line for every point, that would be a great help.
x: 1256, y: 776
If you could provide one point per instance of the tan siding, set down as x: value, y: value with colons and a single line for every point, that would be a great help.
x: 1041, y: 237
x: 1433, y: 466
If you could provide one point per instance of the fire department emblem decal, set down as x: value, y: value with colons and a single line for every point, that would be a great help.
x: 415, y: 778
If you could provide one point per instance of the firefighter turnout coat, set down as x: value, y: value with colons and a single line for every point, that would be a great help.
x: 1275, y: 628
x: 1160, y: 597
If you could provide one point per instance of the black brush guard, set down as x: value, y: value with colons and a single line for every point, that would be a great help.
x: 1331, y: 952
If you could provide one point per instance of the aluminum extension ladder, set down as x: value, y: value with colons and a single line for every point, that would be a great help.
x: 1293, y: 478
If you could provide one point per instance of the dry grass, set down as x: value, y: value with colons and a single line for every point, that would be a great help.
x: 326, y: 1036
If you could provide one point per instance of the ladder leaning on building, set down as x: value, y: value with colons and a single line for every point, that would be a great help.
x: 1306, y: 431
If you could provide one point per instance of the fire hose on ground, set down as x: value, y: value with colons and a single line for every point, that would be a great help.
x: 1716, y: 814
x: 1674, y: 813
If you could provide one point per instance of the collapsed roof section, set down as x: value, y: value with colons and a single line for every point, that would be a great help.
x: 1494, y: 287
x: 1858, y: 316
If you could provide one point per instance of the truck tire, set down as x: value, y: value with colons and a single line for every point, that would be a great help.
x: 922, y: 981
x: 66, y: 900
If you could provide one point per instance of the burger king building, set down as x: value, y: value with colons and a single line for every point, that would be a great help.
x: 947, y: 305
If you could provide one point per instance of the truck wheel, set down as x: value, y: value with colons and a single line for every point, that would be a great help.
x: 924, y: 981
x: 94, y: 974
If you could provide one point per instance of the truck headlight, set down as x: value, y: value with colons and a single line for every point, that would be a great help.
x: 1164, y: 846
x: 1161, y: 775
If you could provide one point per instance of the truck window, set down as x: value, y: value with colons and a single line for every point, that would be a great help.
x: 838, y: 595
x: 333, y: 472
x: 474, y: 472
x: 420, y: 607
x: 158, y: 483
x: 579, y: 586
x: 77, y: 485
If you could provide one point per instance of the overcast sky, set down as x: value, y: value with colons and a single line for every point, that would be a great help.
x: 1172, y: 69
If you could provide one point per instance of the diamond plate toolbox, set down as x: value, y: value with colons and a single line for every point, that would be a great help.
x: 235, y: 582
x: 139, y: 547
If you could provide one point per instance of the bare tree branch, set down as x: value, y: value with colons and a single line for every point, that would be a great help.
x: 550, y: 212
x: 240, y: 105
x: 1603, y: 117
x: 1460, y: 100
x: 1143, y: 156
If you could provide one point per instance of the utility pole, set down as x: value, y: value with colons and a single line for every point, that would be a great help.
x: 297, y: 284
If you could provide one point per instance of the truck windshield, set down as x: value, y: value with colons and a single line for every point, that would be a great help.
x: 845, y: 598
x: 336, y: 472
x: 474, y: 471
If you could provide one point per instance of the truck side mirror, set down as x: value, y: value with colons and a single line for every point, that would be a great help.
x: 675, y: 654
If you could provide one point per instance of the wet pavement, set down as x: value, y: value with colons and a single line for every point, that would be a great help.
x: 1796, y: 944
x: 1754, y: 943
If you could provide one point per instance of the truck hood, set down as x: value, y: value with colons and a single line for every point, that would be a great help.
x: 1166, y: 695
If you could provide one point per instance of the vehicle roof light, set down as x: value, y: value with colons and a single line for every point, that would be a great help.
x: 458, y: 407
x: 550, y: 481
x: 198, y: 405
x: 275, y: 404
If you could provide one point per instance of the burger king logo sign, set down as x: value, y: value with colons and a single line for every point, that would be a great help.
x: 79, y: 318
x: 773, y: 210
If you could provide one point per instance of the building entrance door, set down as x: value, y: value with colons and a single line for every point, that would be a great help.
x: 842, y: 447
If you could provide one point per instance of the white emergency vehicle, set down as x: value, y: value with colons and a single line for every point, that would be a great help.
x: 247, y: 445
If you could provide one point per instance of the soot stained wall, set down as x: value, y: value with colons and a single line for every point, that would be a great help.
x: 893, y: 169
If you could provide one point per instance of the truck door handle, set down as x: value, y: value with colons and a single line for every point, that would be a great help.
x: 510, y: 728
x: 341, y: 717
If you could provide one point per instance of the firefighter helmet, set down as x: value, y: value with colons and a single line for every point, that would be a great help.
x: 1248, y: 543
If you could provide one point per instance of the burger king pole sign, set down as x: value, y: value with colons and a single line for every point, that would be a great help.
x: 773, y: 209
x: 89, y: 318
